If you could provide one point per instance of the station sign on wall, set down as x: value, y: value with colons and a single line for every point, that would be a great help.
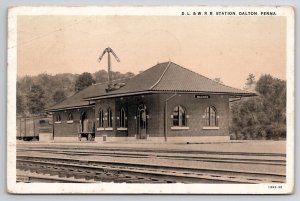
x: 202, y: 96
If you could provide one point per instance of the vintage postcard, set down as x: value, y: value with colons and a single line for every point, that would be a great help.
x: 150, y: 100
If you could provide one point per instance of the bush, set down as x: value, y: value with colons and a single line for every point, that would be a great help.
x: 279, y: 133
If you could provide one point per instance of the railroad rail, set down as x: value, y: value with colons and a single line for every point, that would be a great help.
x: 94, y: 171
x: 272, y: 159
x: 62, y: 166
x: 87, y: 147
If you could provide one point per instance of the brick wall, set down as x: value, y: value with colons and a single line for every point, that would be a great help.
x: 152, y: 105
x: 155, y: 104
x: 195, y: 109
x: 65, y: 129
x: 104, y: 104
x: 130, y: 104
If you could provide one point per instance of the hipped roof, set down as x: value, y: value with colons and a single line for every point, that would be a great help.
x: 166, y: 77
x: 170, y: 77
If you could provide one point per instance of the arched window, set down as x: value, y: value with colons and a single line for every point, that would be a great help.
x: 179, y: 116
x: 101, y: 118
x: 123, y: 122
x: 211, y: 116
x: 70, y: 117
x: 58, y: 118
x: 109, y: 118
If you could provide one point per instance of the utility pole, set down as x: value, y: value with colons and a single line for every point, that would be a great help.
x: 166, y: 117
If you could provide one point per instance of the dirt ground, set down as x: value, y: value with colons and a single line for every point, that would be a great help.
x: 261, y: 146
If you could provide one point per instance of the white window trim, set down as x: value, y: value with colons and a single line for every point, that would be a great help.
x: 70, y: 121
x: 122, y: 129
x: 109, y: 129
x: 180, y: 118
x: 211, y: 128
x: 100, y: 129
x: 180, y: 128
x: 57, y: 122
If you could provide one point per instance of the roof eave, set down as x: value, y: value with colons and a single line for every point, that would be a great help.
x: 68, y: 108
x: 116, y: 95
x: 233, y: 94
x: 243, y: 95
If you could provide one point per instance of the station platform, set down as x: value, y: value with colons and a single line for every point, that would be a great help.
x: 240, y: 146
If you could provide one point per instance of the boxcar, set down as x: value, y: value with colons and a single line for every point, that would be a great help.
x: 28, y: 128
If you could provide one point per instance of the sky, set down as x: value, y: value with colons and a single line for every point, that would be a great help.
x: 217, y: 47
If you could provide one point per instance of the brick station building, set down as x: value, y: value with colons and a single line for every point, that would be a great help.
x: 165, y: 102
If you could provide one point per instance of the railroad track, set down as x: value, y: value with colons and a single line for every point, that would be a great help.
x: 63, y: 169
x: 272, y: 159
x: 114, y: 149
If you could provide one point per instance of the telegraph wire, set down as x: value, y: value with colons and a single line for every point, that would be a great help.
x: 49, y: 33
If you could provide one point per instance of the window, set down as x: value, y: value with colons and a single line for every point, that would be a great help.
x: 179, y: 116
x: 123, y: 118
x: 101, y: 118
x: 109, y: 118
x: 70, y: 117
x: 58, y: 119
x: 211, y: 116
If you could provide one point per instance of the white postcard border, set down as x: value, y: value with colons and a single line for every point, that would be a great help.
x: 107, y: 188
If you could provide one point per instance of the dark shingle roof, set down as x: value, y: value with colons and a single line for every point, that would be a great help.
x: 178, y: 78
x: 171, y: 77
x: 140, y: 82
x: 163, y: 77
x: 76, y: 100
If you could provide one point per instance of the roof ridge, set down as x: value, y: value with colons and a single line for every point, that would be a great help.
x: 149, y: 68
x: 210, y: 79
x: 159, y: 79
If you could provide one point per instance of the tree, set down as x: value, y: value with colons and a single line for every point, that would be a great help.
x: 36, y: 101
x: 250, y: 83
x: 84, y: 80
x: 20, y: 99
x: 101, y: 76
x: 50, y: 84
x: 273, y: 91
x: 58, y: 96
x: 20, y: 104
x: 24, y: 83
x: 262, y: 117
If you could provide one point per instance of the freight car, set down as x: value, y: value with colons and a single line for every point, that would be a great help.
x: 29, y: 128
